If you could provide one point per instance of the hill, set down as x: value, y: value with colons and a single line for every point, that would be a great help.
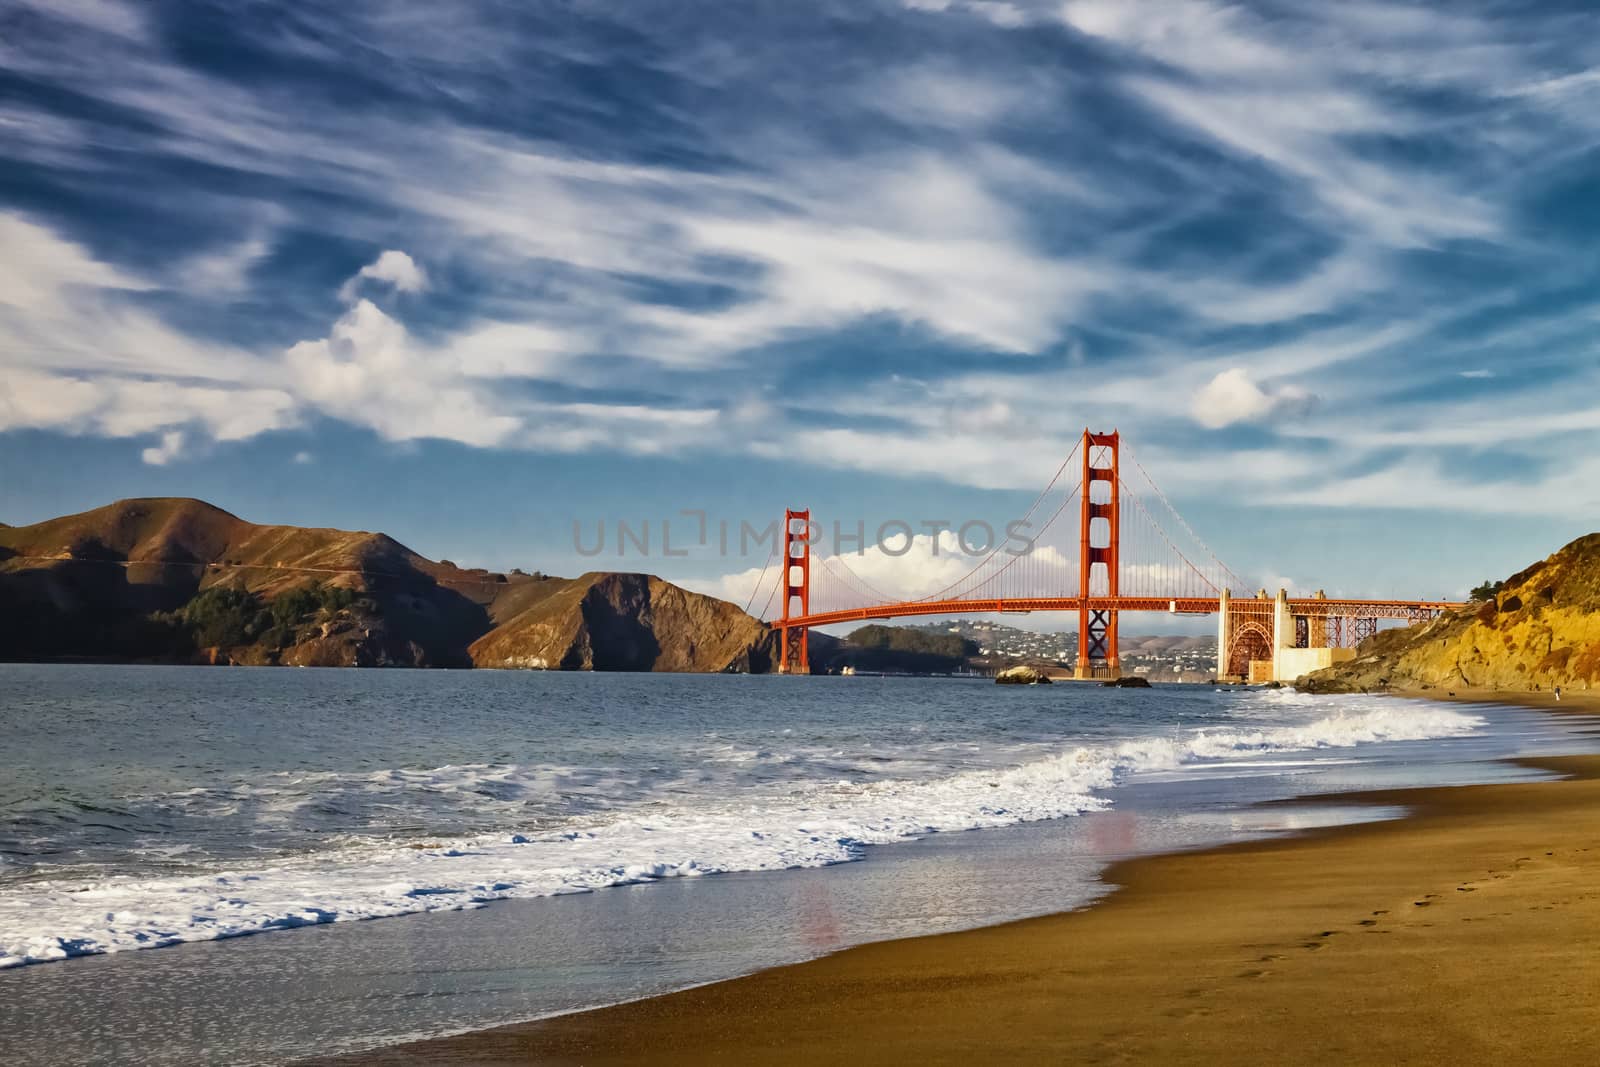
x: 627, y: 622
x: 1541, y: 629
x: 896, y: 650
x: 180, y: 580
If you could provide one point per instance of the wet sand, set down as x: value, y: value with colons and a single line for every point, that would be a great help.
x: 1468, y: 932
x: 1583, y: 701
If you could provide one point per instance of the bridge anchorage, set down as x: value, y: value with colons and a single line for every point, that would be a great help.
x: 1131, y: 551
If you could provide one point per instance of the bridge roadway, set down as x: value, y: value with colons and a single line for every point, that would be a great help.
x: 1411, y: 610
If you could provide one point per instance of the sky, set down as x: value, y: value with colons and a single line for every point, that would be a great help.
x: 472, y: 272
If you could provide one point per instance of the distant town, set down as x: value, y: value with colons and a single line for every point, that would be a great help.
x: 1159, y: 659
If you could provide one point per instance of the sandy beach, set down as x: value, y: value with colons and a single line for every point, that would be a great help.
x: 1466, y: 932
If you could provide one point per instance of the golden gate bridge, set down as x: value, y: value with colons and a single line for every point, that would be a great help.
x: 1129, y: 550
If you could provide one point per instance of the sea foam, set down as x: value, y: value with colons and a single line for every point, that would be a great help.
x: 662, y: 835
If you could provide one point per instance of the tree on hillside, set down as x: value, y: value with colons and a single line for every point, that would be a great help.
x: 225, y: 617
x: 222, y: 617
x: 1487, y: 591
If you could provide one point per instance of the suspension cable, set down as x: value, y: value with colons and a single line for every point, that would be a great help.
x: 864, y: 585
x: 1012, y: 561
x: 996, y: 549
x: 1187, y: 528
x: 755, y: 589
x: 1175, y: 551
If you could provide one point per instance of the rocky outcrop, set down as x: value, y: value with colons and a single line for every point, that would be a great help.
x: 1023, y: 675
x: 628, y: 622
x: 349, y: 643
x: 1131, y: 681
x: 1541, y: 630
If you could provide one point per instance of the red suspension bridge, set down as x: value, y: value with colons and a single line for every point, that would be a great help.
x: 1129, y: 550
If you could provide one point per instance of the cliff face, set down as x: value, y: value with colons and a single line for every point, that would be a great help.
x: 1540, y: 631
x: 628, y: 622
x: 177, y: 579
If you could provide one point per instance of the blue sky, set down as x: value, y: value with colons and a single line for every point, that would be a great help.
x: 468, y: 272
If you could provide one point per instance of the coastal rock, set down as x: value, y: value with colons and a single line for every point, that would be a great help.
x: 1131, y: 681
x: 348, y: 643
x: 1023, y: 675
x: 1542, y: 630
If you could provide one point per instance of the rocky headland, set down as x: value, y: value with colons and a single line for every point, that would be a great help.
x: 1539, y: 630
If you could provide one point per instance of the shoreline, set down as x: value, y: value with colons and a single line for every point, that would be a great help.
x: 1582, y: 701
x: 1190, y: 954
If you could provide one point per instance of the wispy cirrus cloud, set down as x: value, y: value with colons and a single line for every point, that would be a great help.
x: 626, y: 233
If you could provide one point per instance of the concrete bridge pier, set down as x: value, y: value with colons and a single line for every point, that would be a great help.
x: 1261, y: 640
x: 1301, y: 643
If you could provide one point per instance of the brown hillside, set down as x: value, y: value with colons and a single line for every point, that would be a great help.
x: 174, y: 578
x: 84, y: 579
x: 1540, y: 631
x: 627, y: 622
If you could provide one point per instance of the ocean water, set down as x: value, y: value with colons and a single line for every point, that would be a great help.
x: 145, y: 807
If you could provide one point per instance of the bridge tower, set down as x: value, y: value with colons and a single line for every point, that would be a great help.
x: 794, y: 651
x: 1100, y: 535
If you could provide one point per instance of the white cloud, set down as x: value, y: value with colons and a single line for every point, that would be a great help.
x: 948, y: 96
x: 1193, y: 34
x: 81, y: 360
x: 515, y: 350
x: 999, y: 12
x: 368, y: 371
x: 64, y: 311
x: 1330, y: 284
x: 934, y: 240
x: 1232, y: 397
x: 394, y: 268
x: 129, y: 407
x: 108, y: 16
x: 983, y: 286
x: 40, y: 270
x: 1481, y: 372
x: 225, y: 270
x: 303, y: 458
x: 1297, y: 90
x: 1421, y: 484
x: 161, y: 454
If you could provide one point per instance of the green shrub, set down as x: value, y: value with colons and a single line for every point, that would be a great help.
x: 223, y: 616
